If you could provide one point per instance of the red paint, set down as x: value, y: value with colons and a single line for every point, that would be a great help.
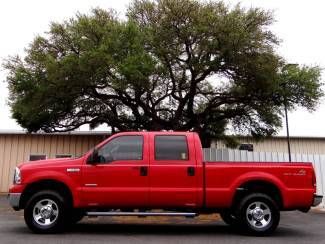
x: 119, y: 184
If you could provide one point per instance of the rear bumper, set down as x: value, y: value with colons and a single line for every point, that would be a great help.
x: 14, y: 200
x: 317, y: 200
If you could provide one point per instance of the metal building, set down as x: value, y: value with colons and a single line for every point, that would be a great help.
x: 17, y: 147
x: 299, y: 144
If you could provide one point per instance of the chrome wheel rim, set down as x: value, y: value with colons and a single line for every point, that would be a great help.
x: 45, y: 212
x: 258, y: 215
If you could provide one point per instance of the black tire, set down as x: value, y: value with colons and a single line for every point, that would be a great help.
x: 229, y: 217
x: 258, y: 223
x: 46, y: 198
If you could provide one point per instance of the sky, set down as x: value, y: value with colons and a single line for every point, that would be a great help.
x: 299, y: 24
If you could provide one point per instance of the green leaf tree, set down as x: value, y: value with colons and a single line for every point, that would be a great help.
x: 170, y: 64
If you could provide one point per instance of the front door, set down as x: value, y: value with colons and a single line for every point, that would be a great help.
x: 172, y: 171
x: 119, y: 178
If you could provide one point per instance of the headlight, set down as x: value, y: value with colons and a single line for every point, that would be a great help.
x: 17, y: 176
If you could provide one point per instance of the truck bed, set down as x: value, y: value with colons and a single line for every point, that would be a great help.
x: 295, y: 181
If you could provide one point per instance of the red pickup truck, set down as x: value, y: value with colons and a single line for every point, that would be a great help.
x: 159, y: 174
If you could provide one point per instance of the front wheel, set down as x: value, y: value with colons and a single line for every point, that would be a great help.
x: 45, y: 212
x: 258, y: 214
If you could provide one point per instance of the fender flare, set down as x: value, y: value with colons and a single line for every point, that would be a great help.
x: 258, y: 176
x: 55, y: 176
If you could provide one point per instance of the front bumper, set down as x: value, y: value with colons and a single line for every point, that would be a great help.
x: 317, y: 200
x: 14, y: 200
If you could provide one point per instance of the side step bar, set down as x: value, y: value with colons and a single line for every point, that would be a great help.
x: 118, y: 213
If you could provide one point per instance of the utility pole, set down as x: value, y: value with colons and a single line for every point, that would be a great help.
x: 287, y: 125
x: 286, y: 115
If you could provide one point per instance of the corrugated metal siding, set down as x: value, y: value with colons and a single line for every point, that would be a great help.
x: 16, y: 148
x: 298, y: 145
x: 318, y: 160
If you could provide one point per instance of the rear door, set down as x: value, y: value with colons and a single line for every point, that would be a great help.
x: 172, y: 170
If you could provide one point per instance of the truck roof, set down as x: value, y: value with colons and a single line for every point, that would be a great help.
x: 157, y: 132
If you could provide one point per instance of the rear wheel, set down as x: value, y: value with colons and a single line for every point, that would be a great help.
x: 45, y: 212
x: 258, y: 214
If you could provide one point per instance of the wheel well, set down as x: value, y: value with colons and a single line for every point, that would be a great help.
x: 258, y: 187
x: 54, y: 185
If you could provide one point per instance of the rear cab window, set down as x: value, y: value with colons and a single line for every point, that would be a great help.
x: 171, y: 147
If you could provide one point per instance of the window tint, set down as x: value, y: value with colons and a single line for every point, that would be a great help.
x: 247, y: 147
x: 171, y: 148
x: 122, y: 148
x: 35, y: 157
x: 63, y: 156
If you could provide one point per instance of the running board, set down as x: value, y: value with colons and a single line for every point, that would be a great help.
x: 117, y: 213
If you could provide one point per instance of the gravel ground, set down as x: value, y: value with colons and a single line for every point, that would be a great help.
x: 295, y: 227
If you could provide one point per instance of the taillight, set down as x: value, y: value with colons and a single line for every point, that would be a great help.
x: 313, y: 178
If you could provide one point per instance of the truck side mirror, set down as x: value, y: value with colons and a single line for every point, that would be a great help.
x: 93, y: 158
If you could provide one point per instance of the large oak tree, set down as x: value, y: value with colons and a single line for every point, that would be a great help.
x: 169, y: 64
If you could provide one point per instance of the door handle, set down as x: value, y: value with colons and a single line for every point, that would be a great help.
x: 190, y: 171
x: 143, y: 170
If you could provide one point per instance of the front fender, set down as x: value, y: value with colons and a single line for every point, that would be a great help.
x: 55, y: 176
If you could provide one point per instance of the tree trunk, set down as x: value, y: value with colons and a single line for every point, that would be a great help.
x: 205, y: 139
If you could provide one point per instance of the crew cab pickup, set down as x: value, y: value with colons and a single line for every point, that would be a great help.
x: 159, y: 174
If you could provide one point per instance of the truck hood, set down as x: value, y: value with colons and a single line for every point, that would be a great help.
x: 49, y: 162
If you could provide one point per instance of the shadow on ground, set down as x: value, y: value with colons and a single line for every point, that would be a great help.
x: 159, y: 229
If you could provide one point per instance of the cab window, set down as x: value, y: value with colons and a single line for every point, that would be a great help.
x: 171, y: 148
x: 122, y: 148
